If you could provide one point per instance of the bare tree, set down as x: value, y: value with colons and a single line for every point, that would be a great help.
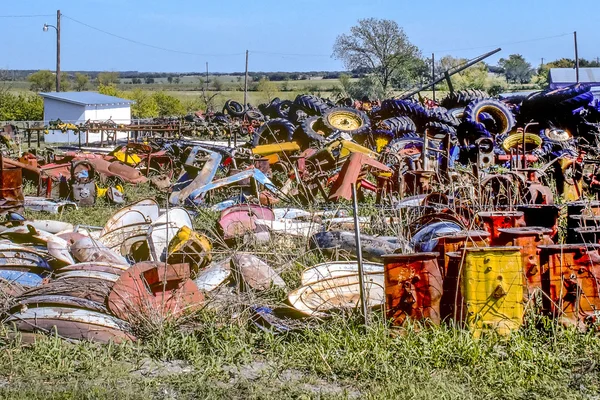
x: 378, y: 45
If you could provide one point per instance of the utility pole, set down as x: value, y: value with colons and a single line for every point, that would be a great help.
x: 433, y: 73
x: 542, y: 64
x: 246, y: 83
x: 207, y: 76
x: 576, y: 57
x: 57, y: 28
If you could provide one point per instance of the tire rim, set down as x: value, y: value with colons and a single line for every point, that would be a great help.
x: 345, y: 121
x: 498, y: 116
x: 532, y: 142
x: 558, y: 135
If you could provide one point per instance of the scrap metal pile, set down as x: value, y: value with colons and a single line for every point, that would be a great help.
x: 468, y: 188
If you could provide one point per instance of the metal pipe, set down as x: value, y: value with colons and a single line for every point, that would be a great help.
x: 450, y: 72
x: 361, y: 276
x: 576, y: 57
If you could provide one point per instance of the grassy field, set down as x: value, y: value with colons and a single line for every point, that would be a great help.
x: 219, y: 353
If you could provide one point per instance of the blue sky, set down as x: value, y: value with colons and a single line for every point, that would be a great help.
x: 282, y: 35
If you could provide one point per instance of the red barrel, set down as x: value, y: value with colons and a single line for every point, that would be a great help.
x: 494, y: 220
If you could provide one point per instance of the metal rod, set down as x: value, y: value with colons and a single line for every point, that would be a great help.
x: 450, y: 72
x: 246, y: 82
x: 433, y: 73
x: 58, y: 50
x: 361, y: 276
x: 576, y: 58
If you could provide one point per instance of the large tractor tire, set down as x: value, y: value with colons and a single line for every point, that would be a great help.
x: 397, y: 125
x: 274, y: 131
x: 462, y: 98
x: 495, y: 115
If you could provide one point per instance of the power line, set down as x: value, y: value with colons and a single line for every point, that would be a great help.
x: 503, y: 44
x: 147, y: 44
x: 27, y: 16
x: 288, y: 54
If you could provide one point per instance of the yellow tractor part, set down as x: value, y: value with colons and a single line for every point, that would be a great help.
x: 347, y: 147
x: 188, y: 246
x: 493, y: 289
x: 344, y: 120
x: 381, y: 142
x: 101, y: 192
x: 127, y: 158
x: 515, y: 141
x: 275, y: 148
x: 572, y: 188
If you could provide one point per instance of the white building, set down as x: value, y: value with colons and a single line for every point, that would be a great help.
x: 79, y: 107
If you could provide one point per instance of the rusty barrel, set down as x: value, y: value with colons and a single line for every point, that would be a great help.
x: 456, y: 241
x: 571, y: 282
x: 528, y: 238
x: 413, y: 287
x: 11, y: 189
x: 587, y: 234
x: 576, y: 209
x: 452, y: 305
x: 494, y: 220
x: 492, y: 288
x: 544, y: 215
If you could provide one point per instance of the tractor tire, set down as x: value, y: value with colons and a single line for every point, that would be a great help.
x: 347, y: 120
x: 545, y: 105
x: 462, y: 98
x: 345, y: 102
x: 444, y: 117
x: 469, y: 131
x: 254, y: 115
x: 282, y: 108
x: 396, y: 108
x: 397, y: 125
x: 233, y: 108
x: 274, y: 131
x: 440, y: 129
x: 312, y: 131
x: 311, y: 105
x: 503, y: 120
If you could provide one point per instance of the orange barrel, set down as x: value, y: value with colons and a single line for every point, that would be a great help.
x: 455, y: 241
x: 545, y: 215
x: 494, y: 220
x: 413, y: 287
x: 11, y: 189
x: 492, y: 289
x: 528, y: 238
x: 571, y: 282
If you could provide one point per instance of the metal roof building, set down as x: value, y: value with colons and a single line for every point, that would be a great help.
x: 561, y: 77
x: 78, y: 107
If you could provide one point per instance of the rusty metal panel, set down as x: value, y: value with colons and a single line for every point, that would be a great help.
x: 571, y: 283
x: 413, y: 287
x: 350, y: 173
x: 528, y: 238
x: 453, y: 242
x: 544, y: 215
x: 494, y: 220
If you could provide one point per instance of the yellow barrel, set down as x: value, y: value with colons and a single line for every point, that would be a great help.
x: 493, y: 289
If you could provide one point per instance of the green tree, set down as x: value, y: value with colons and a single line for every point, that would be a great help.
x: 42, y: 81
x: 177, y: 80
x: 107, y: 78
x: 168, y: 105
x: 81, y: 81
x: 474, y: 77
x: 109, y: 90
x: 516, y: 68
x: 170, y: 79
x: 217, y: 84
x: 21, y: 107
x: 65, y: 83
x: 267, y: 88
x: 378, y: 45
x: 145, y: 105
